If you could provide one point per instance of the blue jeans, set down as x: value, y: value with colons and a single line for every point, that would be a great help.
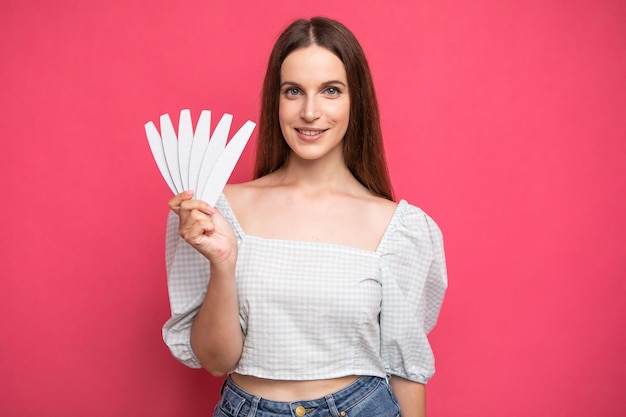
x: 368, y: 396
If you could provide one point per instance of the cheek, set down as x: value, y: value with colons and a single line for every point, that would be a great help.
x: 341, y: 112
x: 285, y: 112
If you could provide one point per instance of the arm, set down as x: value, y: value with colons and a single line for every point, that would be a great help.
x: 216, y: 335
x: 411, y: 396
x: 413, y: 289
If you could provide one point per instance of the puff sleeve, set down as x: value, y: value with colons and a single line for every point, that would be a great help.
x: 187, y: 281
x: 188, y: 274
x: 414, y: 281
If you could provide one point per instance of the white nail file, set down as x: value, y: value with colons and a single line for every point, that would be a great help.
x: 217, y: 143
x: 226, y: 164
x: 185, y: 140
x: 197, y: 160
x: 156, y: 146
x: 170, y: 147
x: 198, y: 147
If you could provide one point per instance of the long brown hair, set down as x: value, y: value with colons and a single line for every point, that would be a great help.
x: 363, y: 145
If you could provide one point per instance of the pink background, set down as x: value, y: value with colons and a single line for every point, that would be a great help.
x: 504, y: 120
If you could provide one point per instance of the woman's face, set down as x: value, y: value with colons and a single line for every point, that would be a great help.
x: 314, y: 106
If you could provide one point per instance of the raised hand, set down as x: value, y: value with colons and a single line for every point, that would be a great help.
x: 204, y: 228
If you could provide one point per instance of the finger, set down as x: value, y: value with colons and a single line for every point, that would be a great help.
x: 196, y: 225
x: 202, y: 206
x: 194, y: 212
x: 177, y: 200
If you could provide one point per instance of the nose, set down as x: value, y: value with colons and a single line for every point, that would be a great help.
x: 310, y: 109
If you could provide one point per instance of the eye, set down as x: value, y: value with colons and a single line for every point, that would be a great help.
x: 333, y: 91
x: 292, y: 91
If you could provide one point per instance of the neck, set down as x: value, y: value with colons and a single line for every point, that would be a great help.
x: 329, y: 174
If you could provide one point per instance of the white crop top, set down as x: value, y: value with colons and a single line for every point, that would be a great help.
x: 315, y: 310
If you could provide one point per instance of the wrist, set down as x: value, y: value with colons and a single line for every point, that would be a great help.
x: 223, y: 266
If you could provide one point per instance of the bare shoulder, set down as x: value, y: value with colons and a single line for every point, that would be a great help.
x: 360, y: 220
x: 241, y: 197
x: 379, y: 210
x: 240, y: 192
x: 382, y: 206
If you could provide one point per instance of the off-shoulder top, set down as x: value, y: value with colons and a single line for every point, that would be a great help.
x: 312, y: 310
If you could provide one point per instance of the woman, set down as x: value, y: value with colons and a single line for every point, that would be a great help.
x: 322, y: 289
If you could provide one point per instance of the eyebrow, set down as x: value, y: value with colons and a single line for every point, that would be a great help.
x: 292, y: 83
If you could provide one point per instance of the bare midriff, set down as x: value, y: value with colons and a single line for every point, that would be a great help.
x: 289, y: 391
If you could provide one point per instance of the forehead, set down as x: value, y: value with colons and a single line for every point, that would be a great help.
x: 313, y: 64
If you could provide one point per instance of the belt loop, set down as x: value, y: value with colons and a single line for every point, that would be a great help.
x: 254, y: 406
x: 331, y: 406
x: 223, y: 385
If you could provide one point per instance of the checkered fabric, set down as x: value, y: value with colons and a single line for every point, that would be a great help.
x: 313, y: 310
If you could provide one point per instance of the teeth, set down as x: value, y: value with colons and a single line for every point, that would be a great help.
x: 310, y: 132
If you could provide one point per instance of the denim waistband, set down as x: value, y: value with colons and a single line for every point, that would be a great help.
x: 237, y: 401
